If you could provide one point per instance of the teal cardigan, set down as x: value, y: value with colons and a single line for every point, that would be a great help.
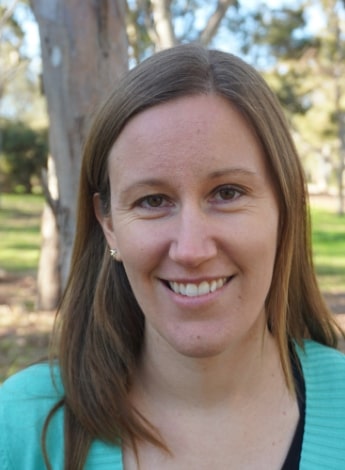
x: 27, y: 397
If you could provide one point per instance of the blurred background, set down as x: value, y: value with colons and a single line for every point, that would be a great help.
x: 58, y: 59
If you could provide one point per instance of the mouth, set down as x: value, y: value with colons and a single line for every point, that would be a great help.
x: 191, y: 289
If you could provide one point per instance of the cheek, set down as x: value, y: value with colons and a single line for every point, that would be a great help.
x: 131, y: 228
x: 140, y: 249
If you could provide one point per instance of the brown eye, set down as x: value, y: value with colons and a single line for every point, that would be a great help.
x: 228, y: 193
x: 154, y: 201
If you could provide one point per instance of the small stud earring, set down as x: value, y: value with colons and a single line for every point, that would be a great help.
x: 113, y: 253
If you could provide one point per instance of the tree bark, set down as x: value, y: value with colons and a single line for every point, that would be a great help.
x: 48, y: 285
x: 84, y: 51
x: 48, y: 279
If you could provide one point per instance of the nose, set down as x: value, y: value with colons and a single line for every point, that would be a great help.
x: 193, y: 240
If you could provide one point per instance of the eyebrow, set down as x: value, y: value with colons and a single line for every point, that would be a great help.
x: 147, y: 183
x: 232, y: 171
x: 154, y: 182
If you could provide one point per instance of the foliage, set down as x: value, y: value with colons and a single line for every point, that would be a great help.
x: 20, y: 80
x: 190, y: 20
x: 267, y: 34
x: 305, y: 65
x: 11, y: 39
x: 12, y: 31
x: 23, y: 155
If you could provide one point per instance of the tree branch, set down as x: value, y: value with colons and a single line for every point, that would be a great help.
x: 214, y: 20
x: 163, y: 24
x: 7, y: 14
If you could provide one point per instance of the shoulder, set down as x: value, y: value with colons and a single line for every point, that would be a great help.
x: 323, y: 370
x: 321, y: 361
x: 34, y: 381
x: 33, y: 390
x: 324, y: 433
x: 26, y: 399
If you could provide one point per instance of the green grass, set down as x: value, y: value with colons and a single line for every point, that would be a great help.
x: 20, y: 240
x: 20, y: 232
x: 328, y: 236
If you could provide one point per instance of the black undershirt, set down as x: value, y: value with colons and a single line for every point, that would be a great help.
x: 294, y: 455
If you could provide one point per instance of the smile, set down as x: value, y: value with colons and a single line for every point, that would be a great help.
x: 195, y: 290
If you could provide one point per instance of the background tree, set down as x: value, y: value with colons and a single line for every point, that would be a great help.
x: 305, y: 65
x: 332, y: 67
x: 11, y: 39
x: 20, y: 87
x: 84, y: 51
x: 157, y: 24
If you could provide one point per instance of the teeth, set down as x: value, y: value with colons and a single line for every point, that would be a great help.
x: 213, y: 286
x: 193, y: 290
x: 203, y: 288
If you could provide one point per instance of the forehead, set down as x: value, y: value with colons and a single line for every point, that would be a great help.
x: 186, y: 133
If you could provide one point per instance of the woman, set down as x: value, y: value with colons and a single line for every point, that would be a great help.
x: 192, y: 333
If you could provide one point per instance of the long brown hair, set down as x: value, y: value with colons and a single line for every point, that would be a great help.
x: 100, y: 325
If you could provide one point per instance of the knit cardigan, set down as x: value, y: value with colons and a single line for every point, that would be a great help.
x: 27, y: 397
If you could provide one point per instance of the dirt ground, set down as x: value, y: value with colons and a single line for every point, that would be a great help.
x: 24, y: 332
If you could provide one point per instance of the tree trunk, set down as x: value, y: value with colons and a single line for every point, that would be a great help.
x: 341, y: 168
x: 48, y: 285
x: 48, y: 279
x: 84, y: 51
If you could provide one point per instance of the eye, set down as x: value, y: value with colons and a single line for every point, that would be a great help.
x: 227, y: 193
x: 153, y: 201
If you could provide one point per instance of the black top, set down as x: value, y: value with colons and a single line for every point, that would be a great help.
x: 294, y: 455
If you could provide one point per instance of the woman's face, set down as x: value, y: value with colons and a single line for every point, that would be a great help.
x: 194, y: 218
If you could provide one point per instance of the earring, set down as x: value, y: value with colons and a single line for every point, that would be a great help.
x: 113, y: 253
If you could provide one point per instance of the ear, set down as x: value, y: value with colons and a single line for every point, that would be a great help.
x: 105, y: 222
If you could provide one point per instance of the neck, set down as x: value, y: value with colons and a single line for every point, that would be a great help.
x: 242, y: 371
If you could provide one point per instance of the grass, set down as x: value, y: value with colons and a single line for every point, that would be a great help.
x: 19, y: 233
x: 20, y: 240
x: 328, y: 236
